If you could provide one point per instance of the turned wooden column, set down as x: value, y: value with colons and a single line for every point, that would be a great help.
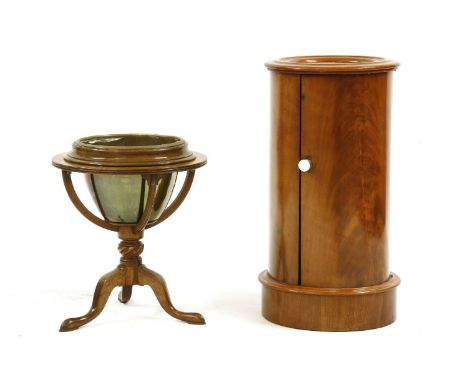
x: 329, y: 221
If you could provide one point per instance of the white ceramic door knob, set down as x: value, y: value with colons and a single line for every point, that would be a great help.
x: 304, y: 165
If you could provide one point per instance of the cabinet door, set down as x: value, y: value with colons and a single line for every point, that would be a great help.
x: 343, y: 131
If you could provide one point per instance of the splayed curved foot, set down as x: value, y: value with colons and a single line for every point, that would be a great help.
x: 125, y: 294
x: 104, y: 288
x: 158, y: 285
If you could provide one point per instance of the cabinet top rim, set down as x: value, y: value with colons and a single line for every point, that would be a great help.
x: 332, y: 64
x: 129, y: 154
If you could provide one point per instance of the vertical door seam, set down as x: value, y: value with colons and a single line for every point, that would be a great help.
x: 299, y: 262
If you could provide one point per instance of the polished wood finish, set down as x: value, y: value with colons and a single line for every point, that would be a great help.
x: 266, y: 279
x: 125, y: 294
x: 144, y: 220
x: 177, y: 201
x: 68, y: 183
x: 98, y: 155
x: 332, y: 65
x: 145, y: 216
x: 344, y: 197
x: 329, y: 309
x: 130, y: 272
x: 328, y: 255
x: 284, y: 177
x: 149, y: 156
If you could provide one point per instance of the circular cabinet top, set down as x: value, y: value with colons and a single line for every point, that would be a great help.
x: 332, y: 64
x: 129, y: 154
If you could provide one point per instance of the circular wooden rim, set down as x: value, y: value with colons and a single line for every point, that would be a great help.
x: 335, y: 64
x: 269, y: 282
x: 107, y: 158
x: 84, y: 142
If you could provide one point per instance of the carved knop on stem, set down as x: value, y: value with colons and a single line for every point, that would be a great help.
x: 131, y: 248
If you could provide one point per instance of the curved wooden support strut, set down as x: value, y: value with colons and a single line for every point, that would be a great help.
x: 156, y: 282
x: 143, y: 222
x: 103, y: 290
x: 67, y: 181
x: 145, y: 216
x: 129, y: 273
x: 125, y: 294
x: 177, y: 201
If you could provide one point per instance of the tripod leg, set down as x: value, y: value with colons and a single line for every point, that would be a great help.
x: 125, y: 294
x: 104, y: 288
x: 158, y: 285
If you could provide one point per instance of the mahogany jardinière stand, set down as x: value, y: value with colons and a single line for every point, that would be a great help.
x: 131, y: 178
x: 329, y: 169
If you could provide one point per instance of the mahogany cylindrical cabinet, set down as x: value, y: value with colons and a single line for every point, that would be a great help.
x: 329, y: 191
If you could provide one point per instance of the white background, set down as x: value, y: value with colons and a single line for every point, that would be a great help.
x: 195, y: 69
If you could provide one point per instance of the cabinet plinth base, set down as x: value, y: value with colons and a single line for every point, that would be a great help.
x: 329, y: 309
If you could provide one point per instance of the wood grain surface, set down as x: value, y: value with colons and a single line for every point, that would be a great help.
x: 284, y: 177
x: 329, y: 225
x: 326, y: 309
x: 344, y: 197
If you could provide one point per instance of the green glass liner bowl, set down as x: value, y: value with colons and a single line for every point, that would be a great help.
x: 122, y: 198
x: 117, y: 168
